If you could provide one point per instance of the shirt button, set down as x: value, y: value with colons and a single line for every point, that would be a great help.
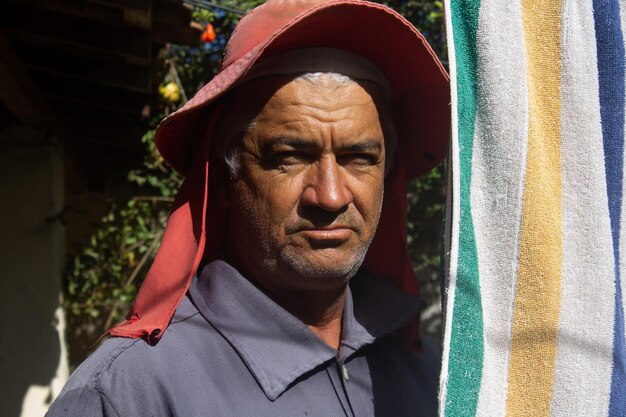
x: 344, y: 372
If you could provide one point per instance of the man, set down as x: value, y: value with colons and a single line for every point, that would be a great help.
x: 320, y: 109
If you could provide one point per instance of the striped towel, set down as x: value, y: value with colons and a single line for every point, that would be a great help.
x: 535, y: 300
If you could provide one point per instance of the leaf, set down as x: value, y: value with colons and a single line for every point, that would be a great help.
x: 91, y: 253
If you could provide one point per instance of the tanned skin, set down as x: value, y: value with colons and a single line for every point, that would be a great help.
x: 306, y: 200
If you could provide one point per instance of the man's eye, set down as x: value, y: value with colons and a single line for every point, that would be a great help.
x: 358, y: 159
x: 287, y: 158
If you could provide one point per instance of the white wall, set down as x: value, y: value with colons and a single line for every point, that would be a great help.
x: 33, y: 364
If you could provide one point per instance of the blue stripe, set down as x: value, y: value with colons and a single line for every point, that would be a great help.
x: 610, y: 45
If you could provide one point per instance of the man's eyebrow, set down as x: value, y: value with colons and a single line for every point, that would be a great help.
x: 288, y: 141
x: 297, y: 143
x: 363, y: 146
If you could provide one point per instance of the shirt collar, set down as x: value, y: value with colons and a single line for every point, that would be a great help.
x: 261, y: 331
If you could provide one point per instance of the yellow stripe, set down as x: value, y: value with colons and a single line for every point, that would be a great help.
x: 538, y: 292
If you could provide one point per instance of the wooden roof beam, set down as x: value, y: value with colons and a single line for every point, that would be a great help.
x: 22, y: 37
x: 117, y: 80
x: 49, y: 25
x: 85, y: 10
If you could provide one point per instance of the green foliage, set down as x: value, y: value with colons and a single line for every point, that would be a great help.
x: 103, y: 275
x: 425, y: 197
x: 197, y: 65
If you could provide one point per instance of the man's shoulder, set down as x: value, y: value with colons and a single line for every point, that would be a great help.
x: 123, y: 367
x: 89, y: 389
x: 138, y: 356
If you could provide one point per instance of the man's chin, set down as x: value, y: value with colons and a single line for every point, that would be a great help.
x: 324, y: 264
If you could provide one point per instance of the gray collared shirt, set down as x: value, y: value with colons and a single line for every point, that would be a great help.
x: 231, y: 351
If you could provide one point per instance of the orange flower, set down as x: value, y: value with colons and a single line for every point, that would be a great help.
x: 209, y: 34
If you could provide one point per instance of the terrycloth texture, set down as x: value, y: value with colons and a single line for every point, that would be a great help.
x: 535, y: 300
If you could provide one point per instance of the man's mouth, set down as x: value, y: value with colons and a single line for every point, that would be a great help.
x: 328, y: 235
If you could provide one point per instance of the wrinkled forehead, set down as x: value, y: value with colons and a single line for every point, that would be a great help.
x: 327, y: 98
x: 317, y: 65
x: 319, y: 86
x: 247, y: 99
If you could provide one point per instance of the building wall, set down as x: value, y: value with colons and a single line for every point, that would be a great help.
x: 33, y: 360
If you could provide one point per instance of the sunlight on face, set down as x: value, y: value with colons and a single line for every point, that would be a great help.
x: 306, y: 202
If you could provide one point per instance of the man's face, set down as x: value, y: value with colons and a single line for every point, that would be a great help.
x: 306, y: 200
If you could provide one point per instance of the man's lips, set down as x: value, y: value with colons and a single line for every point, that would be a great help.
x: 337, y: 234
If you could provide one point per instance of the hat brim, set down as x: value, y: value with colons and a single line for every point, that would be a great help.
x: 419, y: 83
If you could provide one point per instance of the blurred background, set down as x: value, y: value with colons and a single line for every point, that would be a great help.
x: 85, y: 196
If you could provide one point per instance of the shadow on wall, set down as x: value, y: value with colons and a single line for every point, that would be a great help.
x: 31, y: 259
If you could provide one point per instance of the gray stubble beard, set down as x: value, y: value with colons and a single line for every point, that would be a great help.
x: 315, y: 271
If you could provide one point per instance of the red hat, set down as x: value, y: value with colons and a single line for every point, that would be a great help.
x: 420, y: 104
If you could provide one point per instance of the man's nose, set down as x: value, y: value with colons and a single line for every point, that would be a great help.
x: 326, y: 186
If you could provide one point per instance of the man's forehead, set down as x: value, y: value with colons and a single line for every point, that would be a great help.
x: 321, y: 96
x: 280, y: 91
x: 322, y: 91
x: 323, y: 113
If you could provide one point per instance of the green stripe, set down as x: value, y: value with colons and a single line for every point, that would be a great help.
x: 466, y: 343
